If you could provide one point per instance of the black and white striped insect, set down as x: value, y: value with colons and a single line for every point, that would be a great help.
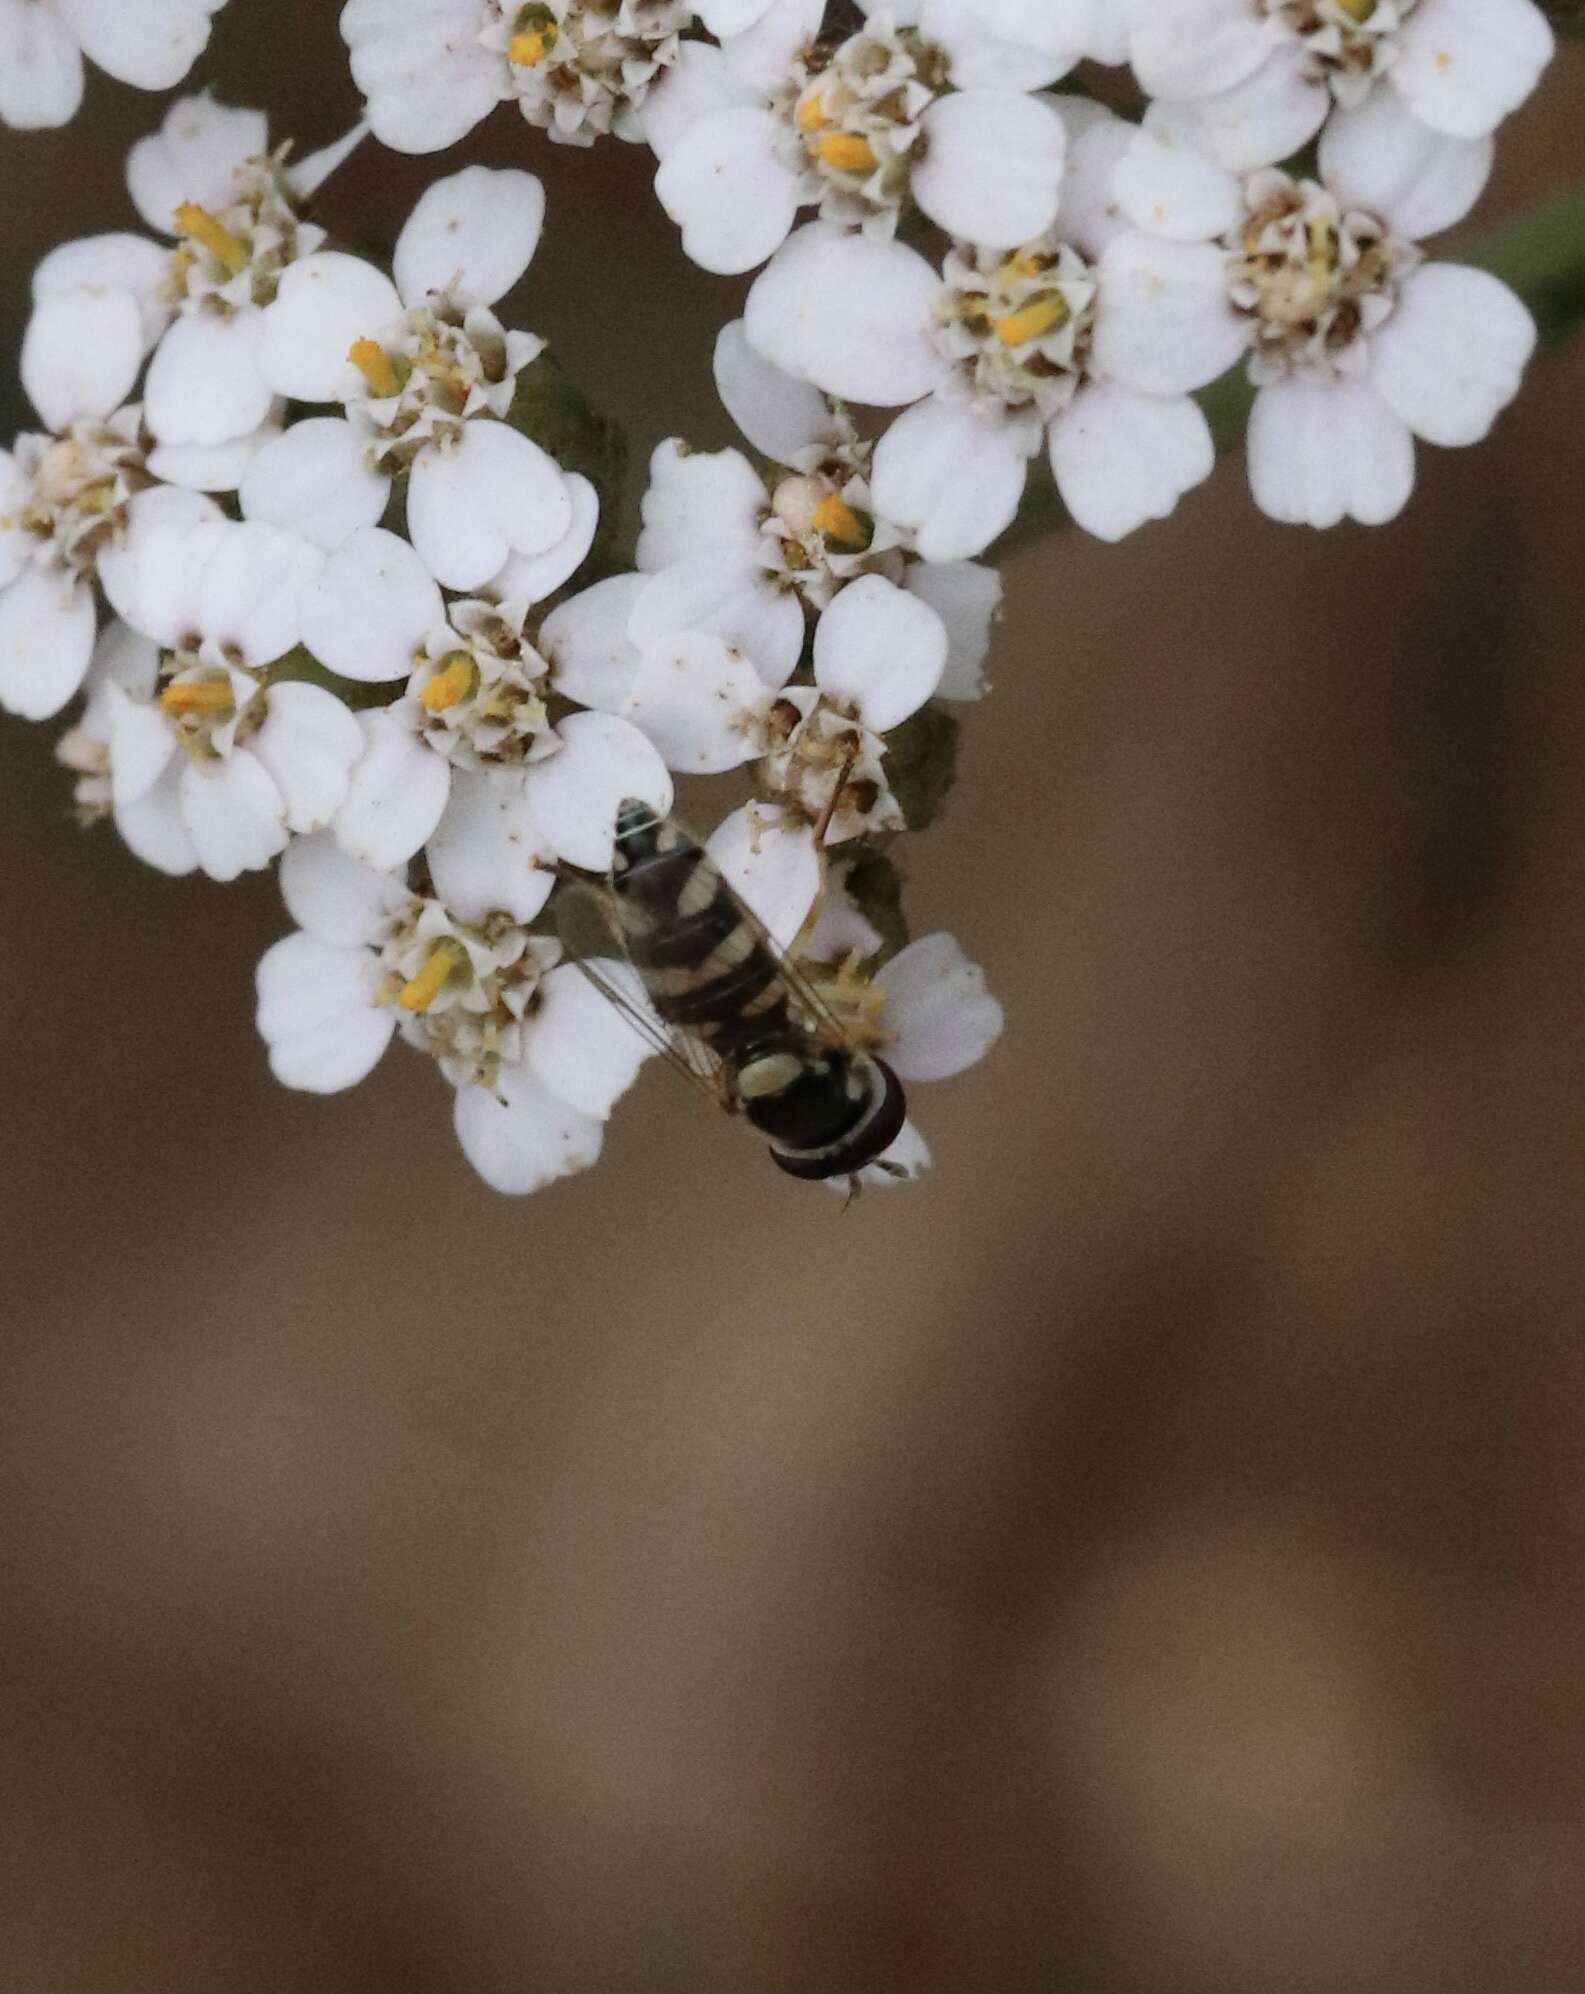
x: 733, y: 1011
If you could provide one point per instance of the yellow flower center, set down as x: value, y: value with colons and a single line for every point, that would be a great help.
x: 228, y: 250
x: 384, y: 376
x: 454, y: 681
x: 837, y: 520
x: 847, y: 152
x: 1034, y: 321
x: 443, y: 962
x: 212, y: 697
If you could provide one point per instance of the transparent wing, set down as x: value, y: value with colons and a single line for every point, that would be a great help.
x: 588, y: 933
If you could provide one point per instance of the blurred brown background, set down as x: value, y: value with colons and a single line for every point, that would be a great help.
x: 1144, y: 1557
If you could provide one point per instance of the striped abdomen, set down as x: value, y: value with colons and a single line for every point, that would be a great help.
x: 702, y: 962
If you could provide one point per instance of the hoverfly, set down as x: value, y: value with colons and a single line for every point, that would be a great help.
x: 732, y: 1010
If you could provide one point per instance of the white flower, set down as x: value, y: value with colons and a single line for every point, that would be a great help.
x: 778, y: 121
x: 234, y: 758
x: 1001, y: 354
x: 1357, y: 344
x: 207, y: 179
x: 476, y: 691
x: 151, y: 45
x: 576, y: 68
x: 64, y: 504
x: 537, y: 1055
x: 1262, y: 74
x: 426, y: 371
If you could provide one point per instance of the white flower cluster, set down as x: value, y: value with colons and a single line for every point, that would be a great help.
x: 327, y: 551
x: 288, y: 531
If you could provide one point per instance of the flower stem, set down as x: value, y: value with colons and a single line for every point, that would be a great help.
x: 1541, y: 255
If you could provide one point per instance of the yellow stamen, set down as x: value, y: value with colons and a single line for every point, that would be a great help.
x: 453, y: 682
x: 376, y: 366
x: 442, y: 963
x: 1358, y: 10
x: 811, y: 114
x: 528, y: 48
x: 228, y: 250
x: 209, y: 696
x: 848, y: 152
x: 1027, y: 263
x: 837, y: 520
x: 1036, y: 319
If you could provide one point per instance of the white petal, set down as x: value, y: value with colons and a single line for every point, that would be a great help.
x: 584, y: 1050
x: 471, y: 236
x: 495, y: 494
x: 309, y: 742
x: 1166, y: 324
x: 142, y: 746
x: 1268, y: 116
x: 1009, y: 44
x: 575, y: 792
x: 426, y: 75
x: 318, y: 1015
x: 15, y: 542
x: 252, y: 590
x: 372, y: 606
x: 46, y: 640
x: 726, y: 185
x: 585, y: 640
x: 531, y: 577
x: 991, y: 166
x: 150, y: 44
x: 520, y: 1137
x: 774, y: 868
x: 949, y: 477
x: 41, y: 68
x: 1191, y: 48
x: 316, y: 479
x: 124, y: 567
x: 324, y: 303
x: 165, y: 557
x: 206, y: 381
x: 698, y: 82
x: 96, y: 263
x: 211, y: 467
x: 1323, y: 451
x: 336, y: 898
x: 851, y: 314
x: 123, y: 657
x: 967, y: 596
x: 733, y: 601
x: 1465, y: 64
x: 729, y: 17
x: 1419, y: 181
x: 942, y: 1017
x: 151, y: 825
x: 880, y: 648
x: 234, y: 814
x: 81, y: 354
x: 1089, y: 214
x: 779, y: 414
x: 193, y: 156
x: 1452, y: 355
x: 1169, y: 184
x: 487, y: 855
x: 396, y: 796
x: 699, y: 502
x: 1121, y: 458
x: 764, y: 54
x: 700, y: 702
